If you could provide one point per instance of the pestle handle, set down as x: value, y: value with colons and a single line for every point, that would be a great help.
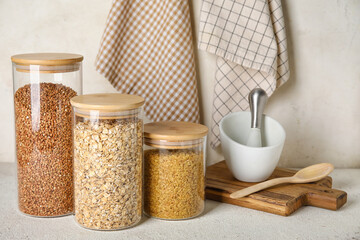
x: 257, y: 101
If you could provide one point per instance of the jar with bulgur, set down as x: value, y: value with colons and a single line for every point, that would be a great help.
x: 108, y: 160
x: 174, y: 169
x: 44, y: 83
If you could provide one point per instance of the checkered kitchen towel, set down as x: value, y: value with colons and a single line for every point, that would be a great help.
x: 248, y: 36
x: 147, y: 50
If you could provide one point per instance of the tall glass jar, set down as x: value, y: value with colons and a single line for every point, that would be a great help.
x: 108, y: 160
x: 174, y: 169
x: 44, y: 83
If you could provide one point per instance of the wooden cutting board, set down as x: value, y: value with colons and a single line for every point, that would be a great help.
x: 282, y: 200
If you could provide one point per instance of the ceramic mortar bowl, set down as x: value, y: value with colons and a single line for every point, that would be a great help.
x: 251, y: 164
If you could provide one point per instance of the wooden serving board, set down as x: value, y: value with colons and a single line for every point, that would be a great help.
x: 282, y: 200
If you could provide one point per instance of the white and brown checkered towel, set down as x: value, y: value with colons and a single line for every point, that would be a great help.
x: 249, y: 38
x: 147, y: 50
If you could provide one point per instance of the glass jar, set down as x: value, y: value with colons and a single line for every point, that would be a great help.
x: 44, y: 83
x: 174, y: 169
x: 108, y: 160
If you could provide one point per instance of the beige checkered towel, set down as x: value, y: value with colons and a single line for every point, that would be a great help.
x: 249, y: 38
x: 147, y: 50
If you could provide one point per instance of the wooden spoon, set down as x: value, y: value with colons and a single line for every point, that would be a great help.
x: 309, y: 174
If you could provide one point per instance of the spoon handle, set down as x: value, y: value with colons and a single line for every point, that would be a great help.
x: 260, y: 186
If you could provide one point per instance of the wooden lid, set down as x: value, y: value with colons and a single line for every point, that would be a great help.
x: 49, y: 59
x: 107, y: 102
x: 174, y: 131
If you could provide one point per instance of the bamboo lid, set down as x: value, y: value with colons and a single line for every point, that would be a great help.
x: 174, y: 131
x: 107, y: 102
x: 48, y: 59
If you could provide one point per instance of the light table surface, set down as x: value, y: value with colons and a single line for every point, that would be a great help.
x: 219, y: 221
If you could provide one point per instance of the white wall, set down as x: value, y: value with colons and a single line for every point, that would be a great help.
x: 318, y: 107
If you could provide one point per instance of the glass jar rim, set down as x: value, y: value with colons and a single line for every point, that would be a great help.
x: 173, y: 144
x: 47, y: 69
x: 98, y: 114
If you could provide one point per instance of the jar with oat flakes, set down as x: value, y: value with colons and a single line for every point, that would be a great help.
x: 174, y: 169
x: 44, y: 83
x: 108, y: 160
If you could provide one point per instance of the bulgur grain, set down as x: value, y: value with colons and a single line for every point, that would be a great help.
x: 174, y: 183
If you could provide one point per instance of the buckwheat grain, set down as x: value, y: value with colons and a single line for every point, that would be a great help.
x: 44, y: 149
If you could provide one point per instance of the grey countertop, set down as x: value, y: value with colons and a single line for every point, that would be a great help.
x: 219, y: 221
